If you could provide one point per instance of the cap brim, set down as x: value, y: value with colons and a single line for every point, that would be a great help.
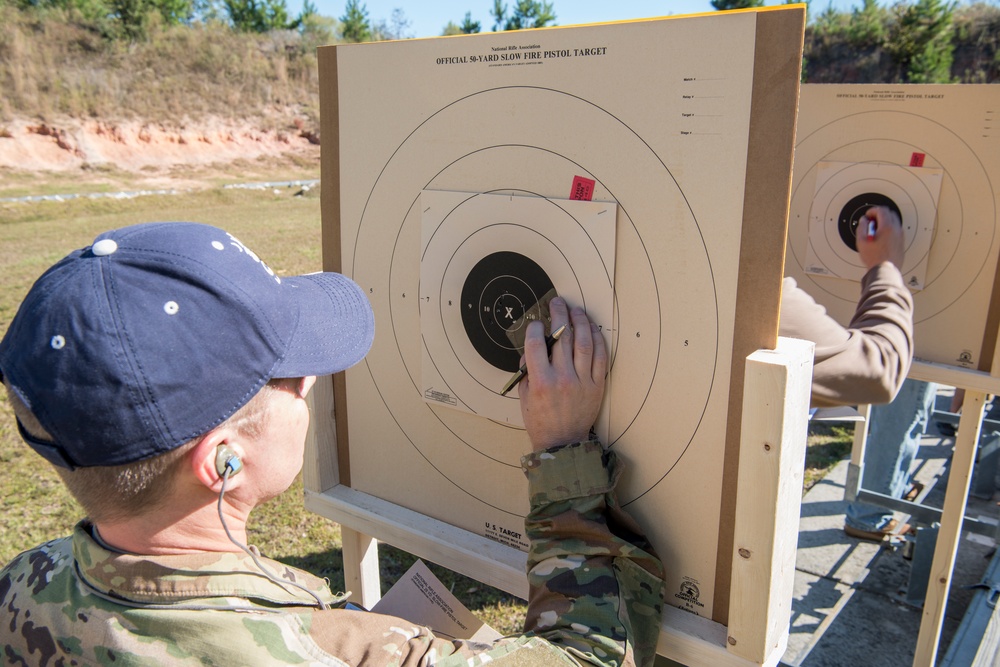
x: 335, y: 325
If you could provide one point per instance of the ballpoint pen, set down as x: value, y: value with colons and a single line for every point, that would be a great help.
x: 522, y: 372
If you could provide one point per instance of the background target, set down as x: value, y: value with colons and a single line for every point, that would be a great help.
x: 848, y: 135
x: 845, y: 191
x: 446, y: 158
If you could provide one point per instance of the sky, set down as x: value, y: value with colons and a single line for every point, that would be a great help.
x: 428, y: 17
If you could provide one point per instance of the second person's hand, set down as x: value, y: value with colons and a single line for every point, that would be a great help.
x: 888, y: 242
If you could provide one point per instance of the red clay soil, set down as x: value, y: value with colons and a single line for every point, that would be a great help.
x: 141, y: 146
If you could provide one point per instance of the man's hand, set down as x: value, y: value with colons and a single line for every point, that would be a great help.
x: 560, y: 398
x: 887, y: 246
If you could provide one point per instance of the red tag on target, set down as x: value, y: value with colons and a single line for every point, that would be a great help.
x: 583, y: 189
x: 917, y: 160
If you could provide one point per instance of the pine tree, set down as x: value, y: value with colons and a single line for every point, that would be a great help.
x: 468, y: 26
x: 723, y: 5
x: 354, y: 23
x: 919, y: 41
x: 867, y: 24
x: 257, y: 15
x: 499, y: 14
x: 527, y: 14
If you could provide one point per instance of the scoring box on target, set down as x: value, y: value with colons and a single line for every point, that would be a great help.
x: 460, y: 186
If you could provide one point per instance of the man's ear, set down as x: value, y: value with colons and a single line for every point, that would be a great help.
x: 204, y: 454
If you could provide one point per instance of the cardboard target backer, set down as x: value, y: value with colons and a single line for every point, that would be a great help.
x: 932, y: 153
x: 464, y: 178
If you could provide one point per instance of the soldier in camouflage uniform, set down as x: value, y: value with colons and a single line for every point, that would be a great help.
x: 153, y: 366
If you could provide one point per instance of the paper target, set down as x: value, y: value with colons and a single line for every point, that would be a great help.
x: 637, y: 332
x: 848, y: 136
x: 844, y: 193
x: 486, y: 260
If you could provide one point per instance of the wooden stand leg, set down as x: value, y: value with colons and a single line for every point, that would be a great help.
x: 955, y: 500
x: 769, y: 494
x: 856, y: 469
x: 361, y: 575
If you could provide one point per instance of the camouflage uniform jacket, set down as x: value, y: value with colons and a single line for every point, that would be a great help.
x: 596, y: 596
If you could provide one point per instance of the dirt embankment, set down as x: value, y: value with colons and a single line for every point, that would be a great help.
x: 136, y: 146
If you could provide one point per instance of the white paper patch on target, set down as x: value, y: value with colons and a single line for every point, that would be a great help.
x: 845, y: 191
x: 485, y: 259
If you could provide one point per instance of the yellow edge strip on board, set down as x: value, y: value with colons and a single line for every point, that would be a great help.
x: 577, y: 25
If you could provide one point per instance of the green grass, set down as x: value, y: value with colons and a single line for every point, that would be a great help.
x: 104, y: 179
x: 828, y: 445
x: 285, y: 230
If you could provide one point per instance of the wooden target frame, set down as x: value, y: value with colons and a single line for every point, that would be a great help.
x: 667, y: 137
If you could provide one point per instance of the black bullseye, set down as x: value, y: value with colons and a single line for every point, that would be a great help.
x: 496, y: 293
x: 854, y: 210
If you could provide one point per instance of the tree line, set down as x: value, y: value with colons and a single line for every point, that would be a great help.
x: 133, y: 19
x: 523, y: 15
x: 919, y: 41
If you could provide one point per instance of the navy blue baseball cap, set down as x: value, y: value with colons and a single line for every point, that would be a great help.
x: 159, y: 332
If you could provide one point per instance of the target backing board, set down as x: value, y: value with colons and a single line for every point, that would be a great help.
x: 932, y: 152
x: 676, y: 252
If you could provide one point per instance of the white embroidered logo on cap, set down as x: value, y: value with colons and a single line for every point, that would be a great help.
x: 218, y: 245
x: 252, y: 255
x: 171, y: 307
x: 57, y: 342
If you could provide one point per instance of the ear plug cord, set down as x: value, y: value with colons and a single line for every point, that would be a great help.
x: 284, y: 583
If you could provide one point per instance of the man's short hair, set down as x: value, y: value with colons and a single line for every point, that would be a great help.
x: 112, y: 493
